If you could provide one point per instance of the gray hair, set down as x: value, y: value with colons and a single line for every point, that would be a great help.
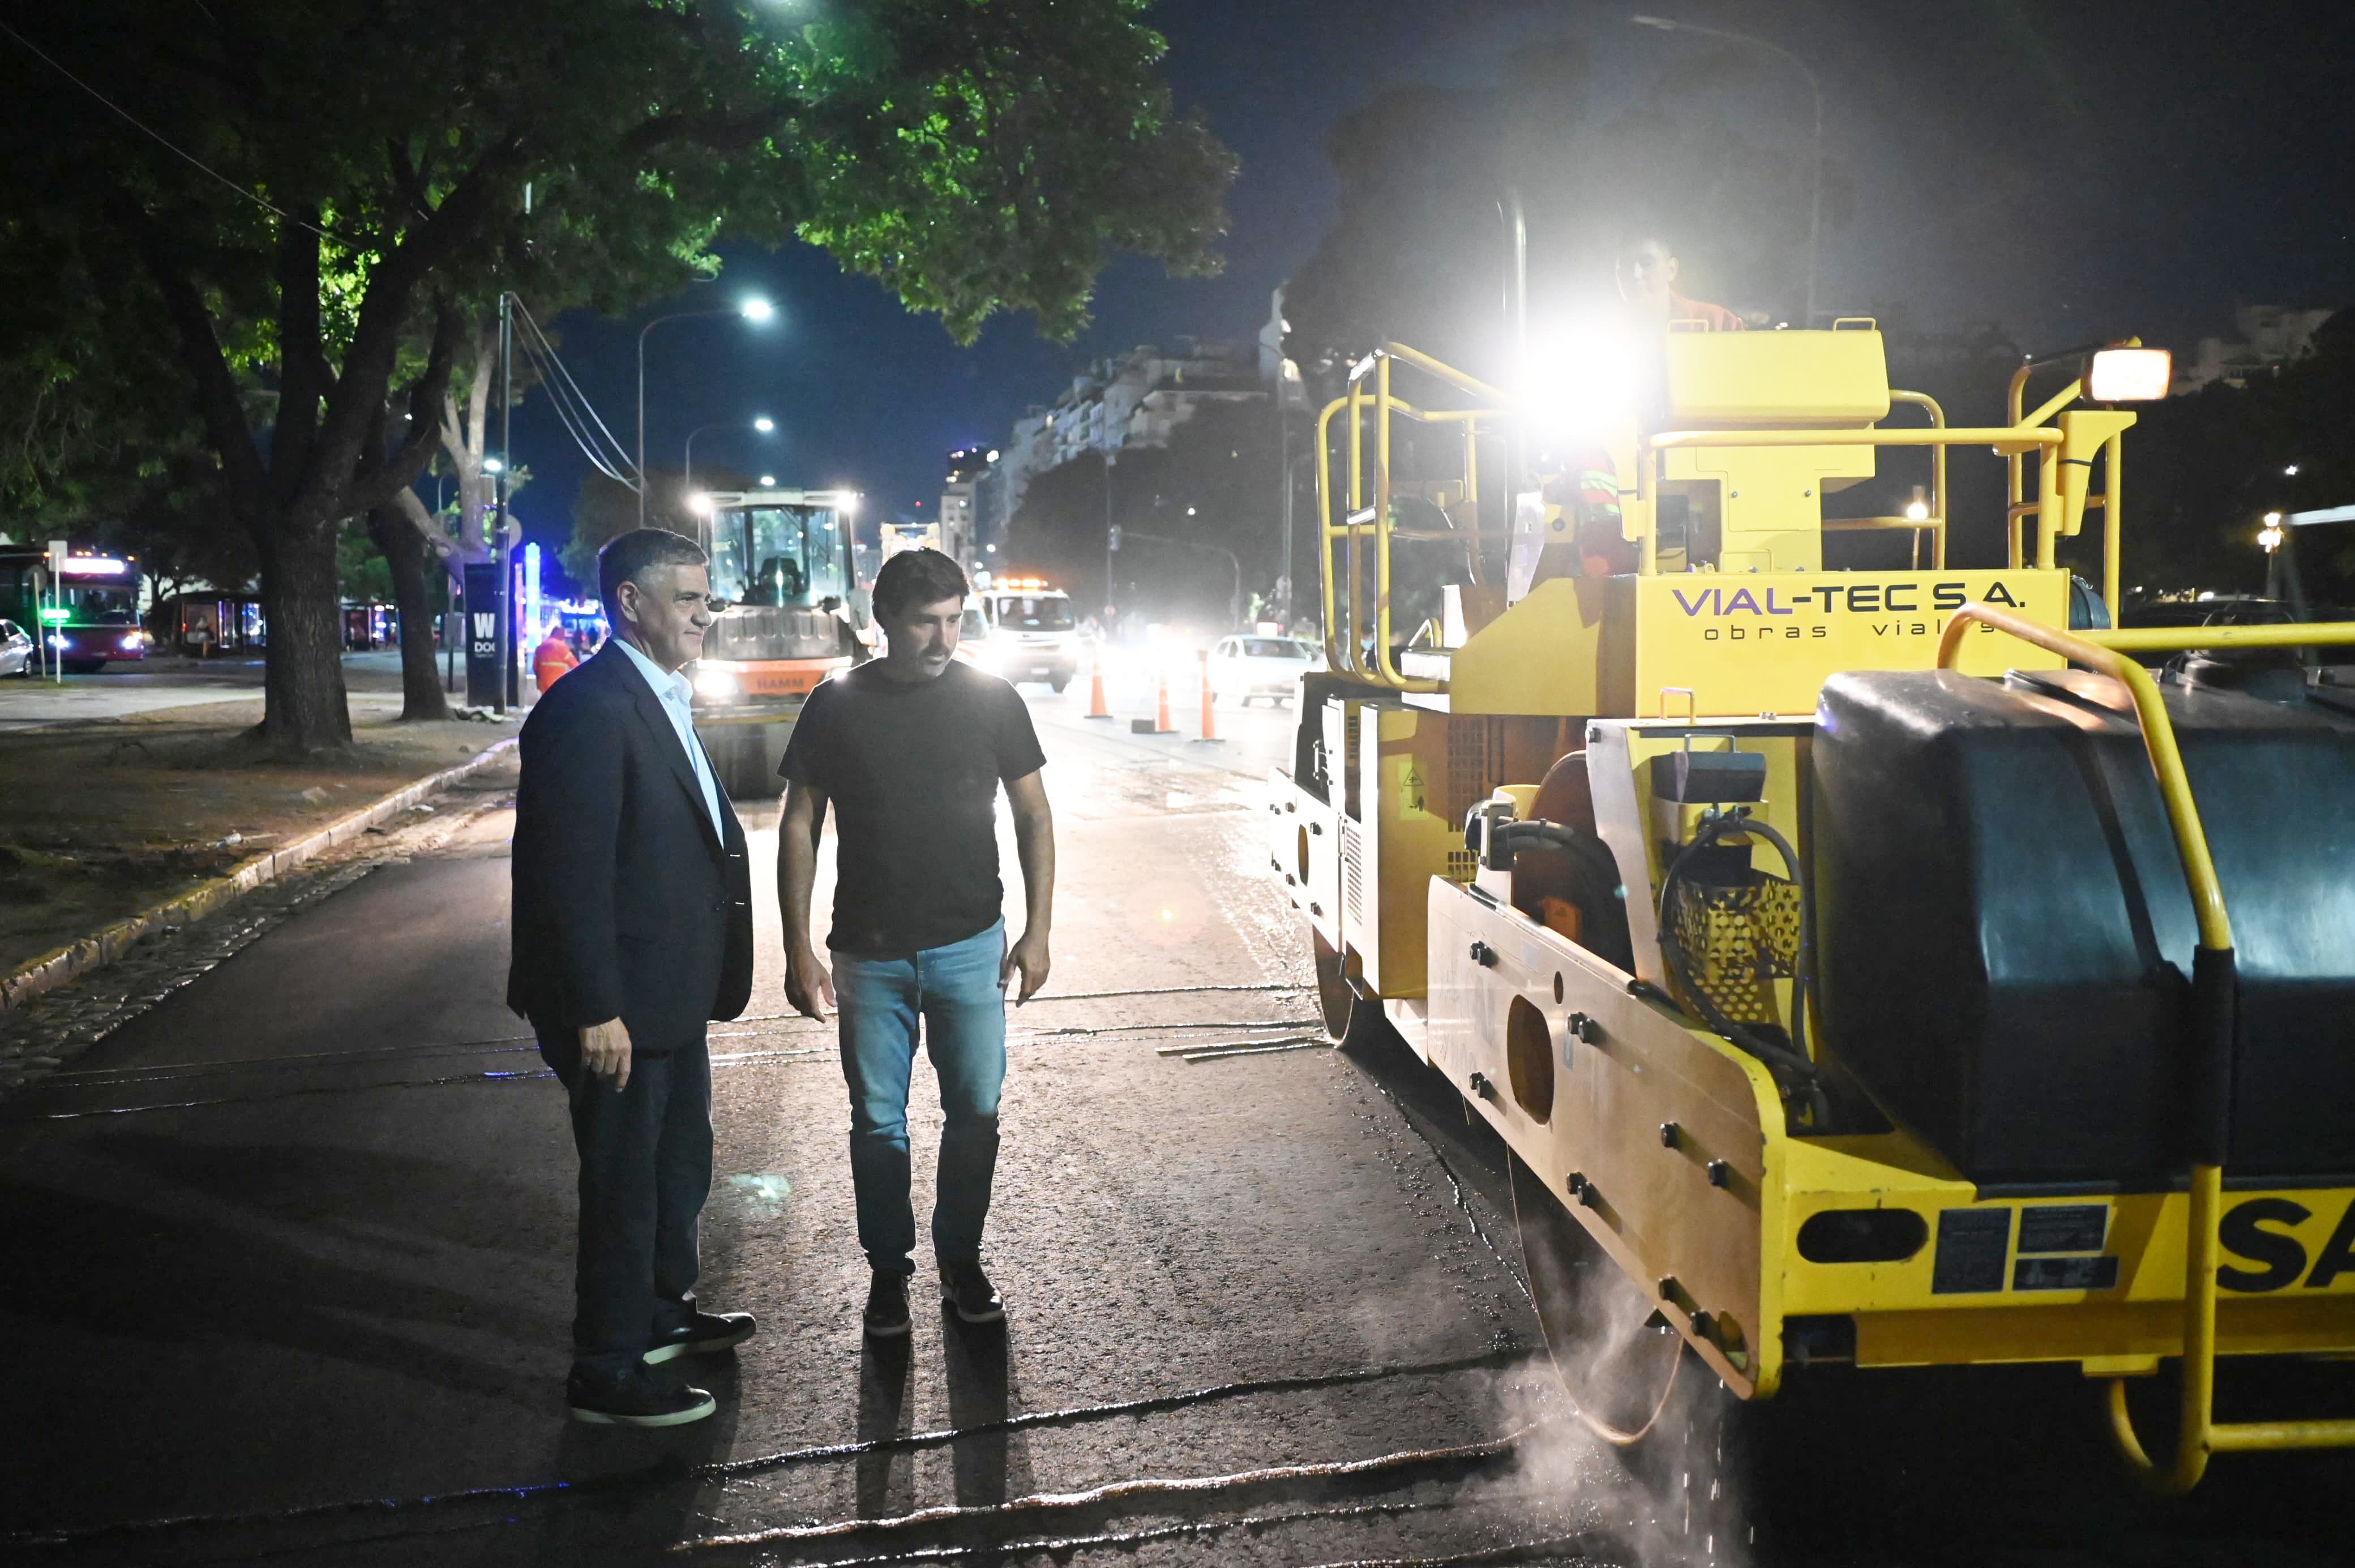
x: 626, y: 555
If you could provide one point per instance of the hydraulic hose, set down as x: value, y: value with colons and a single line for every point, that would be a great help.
x: 1804, y: 1078
x: 1578, y: 844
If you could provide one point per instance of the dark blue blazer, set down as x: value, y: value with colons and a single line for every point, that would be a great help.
x: 627, y: 904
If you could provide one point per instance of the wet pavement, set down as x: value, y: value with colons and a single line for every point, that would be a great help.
x: 288, y: 1202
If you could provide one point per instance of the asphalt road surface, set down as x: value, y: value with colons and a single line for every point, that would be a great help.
x: 289, y: 1271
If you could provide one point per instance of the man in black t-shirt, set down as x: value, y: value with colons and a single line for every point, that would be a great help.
x: 910, y: 749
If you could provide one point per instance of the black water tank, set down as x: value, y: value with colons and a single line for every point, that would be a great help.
x: 2005, y: 926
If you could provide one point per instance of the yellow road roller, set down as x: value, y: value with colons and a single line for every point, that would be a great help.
x: 1876, y: 967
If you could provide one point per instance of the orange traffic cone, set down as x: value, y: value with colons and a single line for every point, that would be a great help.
x: 1161, y: 725
x: 1209, y: 726
x: 1096, y: 706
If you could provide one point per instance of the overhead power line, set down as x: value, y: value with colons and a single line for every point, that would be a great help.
x: 140, y: 125
x: 572, y: 405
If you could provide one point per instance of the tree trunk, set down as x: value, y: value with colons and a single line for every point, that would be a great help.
x: 411, y: 561
x: 303, y: 667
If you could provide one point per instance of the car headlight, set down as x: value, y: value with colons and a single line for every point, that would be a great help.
x: 717, y: 681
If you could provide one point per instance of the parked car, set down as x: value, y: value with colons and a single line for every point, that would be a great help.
x: 15, y: 649
x: 1243, y: 668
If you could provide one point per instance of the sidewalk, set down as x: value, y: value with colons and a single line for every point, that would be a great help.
x: 108, y: 817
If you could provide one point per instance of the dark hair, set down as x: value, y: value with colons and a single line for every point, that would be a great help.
x: 918, y: 577
x: 626, y: 555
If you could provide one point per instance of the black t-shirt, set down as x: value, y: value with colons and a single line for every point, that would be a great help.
x: 912, y: 769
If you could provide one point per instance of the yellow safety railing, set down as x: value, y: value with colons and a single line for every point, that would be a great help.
x: 2046, y: 522
x: 2010, y: 440
x: 2175, y: 639
x: 2200, y: 1434
x: 1370, y: 518
x: 1360, y: 518
x: 1935, y: 524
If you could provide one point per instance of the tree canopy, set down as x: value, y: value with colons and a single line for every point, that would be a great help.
x: 1417, y: 251
x: 293, y: 216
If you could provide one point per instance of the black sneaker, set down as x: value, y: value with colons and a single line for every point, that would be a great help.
x: 707, y: 1333
x: 637, y: 1398
x: 964, y: 1287
x: 886, y: 1317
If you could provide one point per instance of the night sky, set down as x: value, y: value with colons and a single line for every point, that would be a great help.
x: 2070, y: 171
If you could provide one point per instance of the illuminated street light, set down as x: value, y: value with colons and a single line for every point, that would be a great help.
x: 1917, y: 511
x: 2270, y: 536
x: 2291, y: 471
x: 761, y: 423
x: 493, y: 465
x: 992, y: 454
x: 768, y: 480
x: 754, y: 309
x: 699, y: 504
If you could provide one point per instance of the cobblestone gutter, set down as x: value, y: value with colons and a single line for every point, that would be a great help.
x: 109, y: 943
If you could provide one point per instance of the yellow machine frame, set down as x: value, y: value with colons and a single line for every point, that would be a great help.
x: 1671, y: 1147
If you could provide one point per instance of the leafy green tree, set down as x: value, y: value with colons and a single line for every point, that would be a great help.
x: 316, y: 204
x: 1417, y: 251
x: 603, y: 509
x: 1200, y: 519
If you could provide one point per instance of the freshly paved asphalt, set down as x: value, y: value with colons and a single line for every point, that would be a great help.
x: 288, y: 1269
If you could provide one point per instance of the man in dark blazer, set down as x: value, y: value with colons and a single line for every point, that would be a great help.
x: 632, y: 928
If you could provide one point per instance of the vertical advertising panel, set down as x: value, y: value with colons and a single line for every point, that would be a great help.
x: 485, y: 678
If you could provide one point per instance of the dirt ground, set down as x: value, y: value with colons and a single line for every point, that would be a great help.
x: 99, y: 820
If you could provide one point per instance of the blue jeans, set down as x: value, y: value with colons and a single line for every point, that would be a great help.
x: 955, y: 991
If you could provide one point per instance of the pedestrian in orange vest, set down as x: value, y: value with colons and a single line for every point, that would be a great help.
x: 552, y: 658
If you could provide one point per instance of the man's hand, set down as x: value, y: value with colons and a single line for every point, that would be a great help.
x: 809, y: 985
x: 1029, y: 956
x: 605, y: 1051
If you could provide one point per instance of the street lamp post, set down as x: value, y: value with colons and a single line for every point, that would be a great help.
x: 750, y: 310
x: 1111, y: 534
x: 1292, y: 461
x: 1816, y: 180
x: 763, y: 424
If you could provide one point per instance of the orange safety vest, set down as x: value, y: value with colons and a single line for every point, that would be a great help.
x: 552, y: 658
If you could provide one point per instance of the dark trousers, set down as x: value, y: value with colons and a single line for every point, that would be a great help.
x: 645, y: 1170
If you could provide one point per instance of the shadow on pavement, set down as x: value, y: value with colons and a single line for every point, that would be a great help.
x: 883, y: 1366
x: 617, y: 1525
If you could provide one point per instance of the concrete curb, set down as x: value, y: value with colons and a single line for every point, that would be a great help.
x: 109, y: 943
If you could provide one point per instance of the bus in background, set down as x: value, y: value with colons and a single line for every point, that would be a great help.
x: 781, y: 559
x: 88, y: 615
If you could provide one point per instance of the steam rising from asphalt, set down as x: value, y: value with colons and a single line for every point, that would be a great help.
x: 1670, y: 1501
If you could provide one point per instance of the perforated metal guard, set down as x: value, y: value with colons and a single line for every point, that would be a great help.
x: 1739, y: 942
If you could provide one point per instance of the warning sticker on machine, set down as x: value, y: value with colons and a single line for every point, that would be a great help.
x: 1972, y: 1243
x: 2064, y: 1273
x: 2063, y: 1227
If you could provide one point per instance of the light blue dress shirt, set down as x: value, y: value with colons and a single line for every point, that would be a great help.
x: 676, y: 694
